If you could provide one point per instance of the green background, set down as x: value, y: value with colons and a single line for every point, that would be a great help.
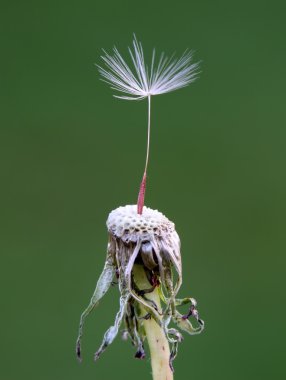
x: 70, y: 153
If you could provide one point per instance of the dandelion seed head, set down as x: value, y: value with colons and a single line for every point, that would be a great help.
x: 125, y: 220
x: 140, y: 80
x: 139, y: 237
x: 151, y: 230
x: 150, y: 241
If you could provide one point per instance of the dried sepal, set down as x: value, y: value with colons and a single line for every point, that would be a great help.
x: 185, y: 325
x: 103, y: 284
x: 112, y: 332
x: 134, y: 330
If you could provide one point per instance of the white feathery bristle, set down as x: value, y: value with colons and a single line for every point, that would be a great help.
x: 142, y: 81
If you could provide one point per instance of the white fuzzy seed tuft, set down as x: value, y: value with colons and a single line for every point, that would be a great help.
x: 141, y: 81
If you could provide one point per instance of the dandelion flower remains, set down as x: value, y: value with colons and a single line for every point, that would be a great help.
x: 143, y: 251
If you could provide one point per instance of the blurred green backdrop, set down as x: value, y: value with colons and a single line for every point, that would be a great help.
x: 70, y: 153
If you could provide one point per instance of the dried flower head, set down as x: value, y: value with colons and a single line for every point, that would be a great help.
x: 151, y: 242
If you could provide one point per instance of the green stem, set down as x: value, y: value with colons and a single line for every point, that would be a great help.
x: 158, y: 343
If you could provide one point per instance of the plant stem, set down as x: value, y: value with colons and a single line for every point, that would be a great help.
x: 158, y: 343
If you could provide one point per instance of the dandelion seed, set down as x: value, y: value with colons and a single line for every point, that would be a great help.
x: 143, y: 81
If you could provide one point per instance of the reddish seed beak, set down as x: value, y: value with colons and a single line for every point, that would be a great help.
x: 141, y: 195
